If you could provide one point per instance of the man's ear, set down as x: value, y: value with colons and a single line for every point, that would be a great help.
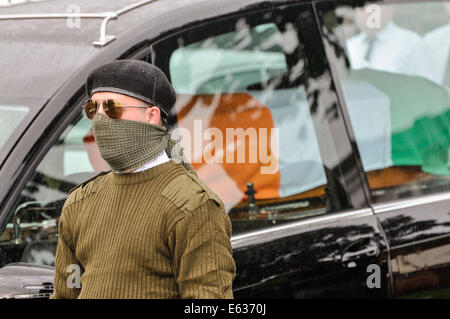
x: 153, y: 115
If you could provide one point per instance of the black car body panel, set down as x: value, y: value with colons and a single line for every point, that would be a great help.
x: 328, y: 255
x: 324, y: 258
x: 418, y: 234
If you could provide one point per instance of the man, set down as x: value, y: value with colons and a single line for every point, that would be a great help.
x: 149, y: 228
x: 439, y: 41
x: 384, y: 46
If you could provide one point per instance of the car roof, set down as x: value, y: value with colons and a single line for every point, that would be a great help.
x: 58, y: 29
x: 38, y: 55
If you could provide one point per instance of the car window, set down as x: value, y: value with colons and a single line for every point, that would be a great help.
x: 16, y: 114
x: 11, y: 117
x: 243, y: 117
x: 31, y: 232
x: 227, y: 63
x: 396, y: 70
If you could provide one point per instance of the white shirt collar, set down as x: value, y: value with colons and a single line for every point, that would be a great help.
x: 384, y: 34
x: 160, y: 159
x: 387, y: 32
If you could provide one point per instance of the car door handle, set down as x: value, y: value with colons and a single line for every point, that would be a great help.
x: 362, y: 249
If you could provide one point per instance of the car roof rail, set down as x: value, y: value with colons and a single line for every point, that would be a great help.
x: 106, y: 16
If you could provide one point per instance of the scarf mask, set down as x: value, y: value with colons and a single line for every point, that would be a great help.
x: 127, y: 145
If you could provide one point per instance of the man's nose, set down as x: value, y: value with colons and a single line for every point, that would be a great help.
x: 100, y: 108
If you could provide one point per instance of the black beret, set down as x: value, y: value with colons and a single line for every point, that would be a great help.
x: 138, y: 79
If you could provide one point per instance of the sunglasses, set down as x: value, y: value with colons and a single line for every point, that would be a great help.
x: 113, y: 108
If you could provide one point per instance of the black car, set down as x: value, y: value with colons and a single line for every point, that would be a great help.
x: 322, y: 125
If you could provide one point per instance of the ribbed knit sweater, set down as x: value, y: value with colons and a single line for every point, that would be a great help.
x: 159, y: 233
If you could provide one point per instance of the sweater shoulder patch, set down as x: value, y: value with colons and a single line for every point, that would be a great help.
x: 85, y: 188
x: 188, y: 192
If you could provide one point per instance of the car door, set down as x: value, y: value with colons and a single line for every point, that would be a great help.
x: 288, y: 175
x: 301, y: 223
x: 402, y: 83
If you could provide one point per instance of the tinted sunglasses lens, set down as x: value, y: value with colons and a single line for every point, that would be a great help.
x: 90, y: 108
x: 113, y: 109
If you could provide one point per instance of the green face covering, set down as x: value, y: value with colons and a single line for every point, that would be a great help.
x: 127, y: 145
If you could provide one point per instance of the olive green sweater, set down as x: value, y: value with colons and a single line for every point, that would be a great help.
x: 160, y: 233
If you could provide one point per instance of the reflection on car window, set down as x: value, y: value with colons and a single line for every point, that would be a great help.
x: 392, y: 74
x: 376, y: 47
x: 11, y: 117
x: 228, y: 62
x: 245, y: 124
x: 31, y: 233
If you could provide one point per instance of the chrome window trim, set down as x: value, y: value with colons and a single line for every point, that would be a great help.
x: 380, y: 208
x: 269, y: 234
x: 420, y: 242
